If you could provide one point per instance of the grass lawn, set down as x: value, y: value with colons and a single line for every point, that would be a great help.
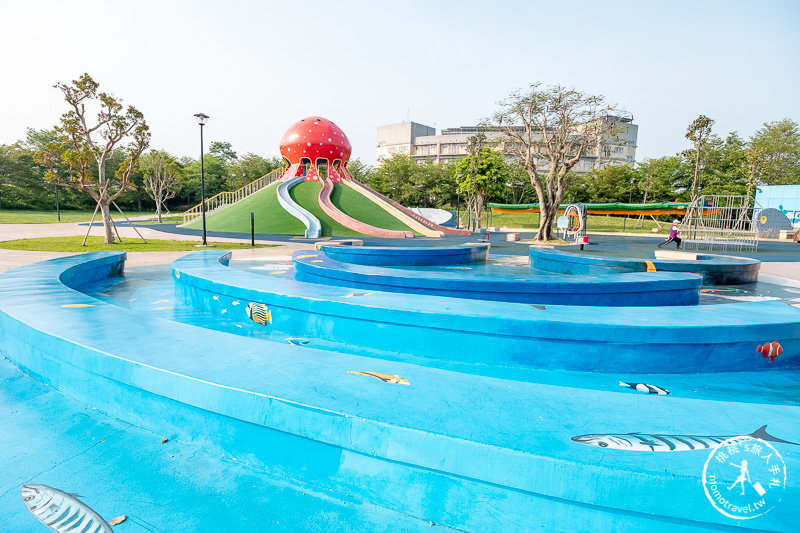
x: 605, y: 223
x: 13, y: 216
x: 96, y: 244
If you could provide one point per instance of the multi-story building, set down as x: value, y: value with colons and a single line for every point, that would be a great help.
x: 421, y: 142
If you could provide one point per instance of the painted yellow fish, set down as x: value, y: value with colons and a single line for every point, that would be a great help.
x: 307, y: 256
x: 76, y: 306
x: 386, y: 378
x: 259, y: 313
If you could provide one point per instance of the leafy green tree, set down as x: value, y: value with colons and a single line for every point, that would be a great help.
x: 698, y: 132
x: 215, y: 178
x: 360, y: 171
x: 613, y: 183
x: 85, y: 150
x: 21, y: 180
x: 396, y: 178
x: 223, y: 151
x: 249, y: 168
x: 724, y: 162
x: 779, y: 144
x: 548, y: 130
x: 480, y: 175
x: 659, y: 178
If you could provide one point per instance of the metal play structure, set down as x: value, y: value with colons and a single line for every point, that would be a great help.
x: 720, y: 222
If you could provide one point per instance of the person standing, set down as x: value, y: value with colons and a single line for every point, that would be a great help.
x: 673, y: 235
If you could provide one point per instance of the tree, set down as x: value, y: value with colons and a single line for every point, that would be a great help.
x: 480, y: 175
x: 223, y: 151
x: 698, y: 132
x: 548, y: 130
x: 658, y: 178
x: 779, y: 144
x: 360, y: 171
x: 21, y: 182
x: 161, y: 172
x: 81, y: 146
x: 249, y: 168
x: 614, y: 183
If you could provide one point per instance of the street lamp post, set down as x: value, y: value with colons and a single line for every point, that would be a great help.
x: 202, y: 119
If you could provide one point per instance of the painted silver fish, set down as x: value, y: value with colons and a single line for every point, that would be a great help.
x: 644, y: 387
x: 644, y: 442
x: 62, y: 512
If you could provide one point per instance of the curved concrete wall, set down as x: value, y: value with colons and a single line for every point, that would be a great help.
x: 626, y: 339
x: 348, y: 221
x: 446, y: 442
x: 407, y: 255
x: 633, y: 289
x: 312, y: 224
x: 715, y: 269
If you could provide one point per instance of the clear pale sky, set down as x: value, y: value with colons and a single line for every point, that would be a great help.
x: 256, y: 67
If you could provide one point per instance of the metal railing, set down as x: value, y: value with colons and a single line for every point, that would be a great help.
x: 720, y: 222
x: 224, y: 199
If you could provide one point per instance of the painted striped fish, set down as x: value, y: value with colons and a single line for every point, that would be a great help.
x: 645, y: 442
x: 259, y: 313
x: 62, y: 512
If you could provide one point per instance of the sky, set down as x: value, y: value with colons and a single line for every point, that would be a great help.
x: 257, y: 67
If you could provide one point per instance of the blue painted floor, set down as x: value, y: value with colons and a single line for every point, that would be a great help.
x: 120, y: 469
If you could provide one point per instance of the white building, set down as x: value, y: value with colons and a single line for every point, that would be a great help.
x: 421, y: 142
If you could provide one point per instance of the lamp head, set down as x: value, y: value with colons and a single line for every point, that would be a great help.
x: 202, y: 118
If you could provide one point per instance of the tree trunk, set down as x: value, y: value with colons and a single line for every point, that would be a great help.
x: 106, y: 214
x: 546, y: 216
x: 158, y: 210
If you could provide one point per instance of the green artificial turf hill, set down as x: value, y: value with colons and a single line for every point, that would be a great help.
x: 270, y: 217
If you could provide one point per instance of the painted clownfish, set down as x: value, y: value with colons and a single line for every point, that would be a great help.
x: 770, y: 351
x: 386, y: 378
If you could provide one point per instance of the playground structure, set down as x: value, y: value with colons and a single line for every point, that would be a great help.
x: 316, y: 150
x: 478, y: 416
x: 720, y: 222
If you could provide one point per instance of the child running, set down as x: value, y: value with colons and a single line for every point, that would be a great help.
x: 673, y: 235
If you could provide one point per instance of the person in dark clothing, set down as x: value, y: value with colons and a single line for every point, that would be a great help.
x: 673, y: 235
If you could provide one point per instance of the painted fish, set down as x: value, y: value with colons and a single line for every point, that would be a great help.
x: 770, y: 351
x: 387, y: 378
x: 259, y: 313
x: 644, y: 387
x: 357, y: 294
x: 76, y: 306
x: 62, y: 512
x: 644, y: 442
x: 297, y: 342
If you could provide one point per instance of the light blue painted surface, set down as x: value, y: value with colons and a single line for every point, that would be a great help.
x: 312, y: 223
x: 675, y: 339
x: 783, y: 197
x: 469, y: 451
x: 408, y: 255
x: 715, y: 269
x: 632, y: 290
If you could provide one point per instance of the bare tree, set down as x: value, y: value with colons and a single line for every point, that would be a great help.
x: 85, y: 149
x: 548, y: 130
x: 161, y: 182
